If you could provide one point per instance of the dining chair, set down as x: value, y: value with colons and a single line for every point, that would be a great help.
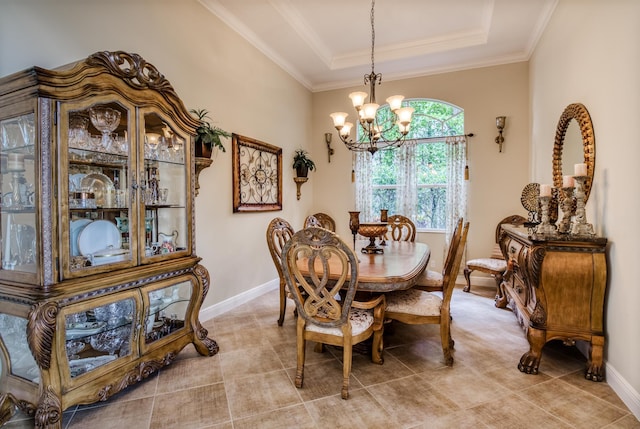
x: 322, y: 220
x: 495, y: 265
x: 279, y: 232
x: 401, y: 228
x: 416, y: 307
x: 327, y: 310
x: 431, y: 280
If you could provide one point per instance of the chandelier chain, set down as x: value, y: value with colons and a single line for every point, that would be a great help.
x: 373, y: 36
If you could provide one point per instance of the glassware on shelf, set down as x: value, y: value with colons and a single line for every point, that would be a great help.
x: 79, y: 130
x: 106, y: 120
x: 152, y: 140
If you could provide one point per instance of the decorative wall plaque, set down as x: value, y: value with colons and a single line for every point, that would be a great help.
x: 257, y: 175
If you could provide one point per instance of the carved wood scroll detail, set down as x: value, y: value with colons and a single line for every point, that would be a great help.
x: 49, y: 410
x: 133, y: 69
x: 41, y: 326
x: 539, y: 315
x: 535, y: 264
x: 144, y: 370
x: 199, y: 331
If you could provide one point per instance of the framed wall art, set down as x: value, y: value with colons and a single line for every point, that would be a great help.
x: 257, y: 175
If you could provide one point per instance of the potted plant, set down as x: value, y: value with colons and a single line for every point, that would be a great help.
x: 207, y: 135
x: 302, y: 163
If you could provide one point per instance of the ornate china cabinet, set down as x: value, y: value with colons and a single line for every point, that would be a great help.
x: 100, y: 285
x: 556, y: 281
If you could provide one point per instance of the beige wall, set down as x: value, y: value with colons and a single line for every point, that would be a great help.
x: 496, y: 179
x: 589, y: 54
x: 210, y: 67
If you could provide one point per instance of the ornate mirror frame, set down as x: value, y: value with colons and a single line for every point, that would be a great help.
x: 580, y: 113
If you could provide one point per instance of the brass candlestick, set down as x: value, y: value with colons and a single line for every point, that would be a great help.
x: 354, y: 225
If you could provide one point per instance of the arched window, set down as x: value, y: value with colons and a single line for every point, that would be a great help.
x: 414, y: 179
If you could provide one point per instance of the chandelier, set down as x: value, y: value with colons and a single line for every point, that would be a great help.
x: 373, y: 136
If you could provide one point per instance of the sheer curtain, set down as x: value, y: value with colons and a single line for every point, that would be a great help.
x: 363, y: 185
x: 406, y: 176
x: 456, y: 183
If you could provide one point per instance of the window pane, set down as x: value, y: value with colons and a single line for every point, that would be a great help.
x: 431, y: 210
x: 383, y: 168
x: 383, y: 199
x: 431, y: 163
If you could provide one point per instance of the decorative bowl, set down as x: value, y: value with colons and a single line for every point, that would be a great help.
x: 373, y: 231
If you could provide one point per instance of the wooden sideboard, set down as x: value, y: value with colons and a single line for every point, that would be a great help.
x: 556, y: 288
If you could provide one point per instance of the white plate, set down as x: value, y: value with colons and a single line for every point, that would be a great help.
x: 100, y: 185
x: 83, y: 329
x: 76, y: 228
x: 99, y: 235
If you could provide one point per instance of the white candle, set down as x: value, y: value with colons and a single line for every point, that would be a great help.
x: 545, y: 190
x: 580, y: 170
x: 15, y: 162
x: 567, y: 182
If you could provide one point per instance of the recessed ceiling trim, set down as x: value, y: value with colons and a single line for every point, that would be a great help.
x: 411, y: 49
x: 232, y: 22
x: 303, y: 28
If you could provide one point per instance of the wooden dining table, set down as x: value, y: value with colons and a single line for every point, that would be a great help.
x: 398, y: 268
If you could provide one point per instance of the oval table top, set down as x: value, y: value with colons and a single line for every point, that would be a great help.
x: 397, y: 268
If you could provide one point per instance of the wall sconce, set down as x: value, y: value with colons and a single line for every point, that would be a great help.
x: 500, y: 120
x: 327, y: 138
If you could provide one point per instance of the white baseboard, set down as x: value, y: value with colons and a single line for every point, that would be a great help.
x: 233, y: 302
x: 624, y: 390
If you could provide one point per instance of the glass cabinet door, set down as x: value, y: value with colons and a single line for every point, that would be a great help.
x: 163, y: 186
x: 19, y: 189
x: 14, y: 343
x: 100, y: 333
x: 96, y: 200
x: 167, y: 310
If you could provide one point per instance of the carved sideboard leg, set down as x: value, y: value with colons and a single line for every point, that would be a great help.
x: 595, y: 371
x: 530, y: 361
x: 501, y: 302
x: 49, y: 412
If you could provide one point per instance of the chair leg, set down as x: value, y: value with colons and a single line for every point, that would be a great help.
x: 283, y: 303
x: 498, y: 278
x: 377, y: 347
x: 301, y: 345
x: 347, y: 352
x: 445, y: 338
x: 467, y: 276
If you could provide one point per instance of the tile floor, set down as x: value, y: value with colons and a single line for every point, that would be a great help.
x: 249, y: 383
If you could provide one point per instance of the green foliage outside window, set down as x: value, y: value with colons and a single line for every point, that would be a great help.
x: 432, y: 119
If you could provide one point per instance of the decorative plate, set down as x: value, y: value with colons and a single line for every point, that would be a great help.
x: 97, y: 236
x: 76, y: 228
x: 529, y: 198
x: 100, y: 185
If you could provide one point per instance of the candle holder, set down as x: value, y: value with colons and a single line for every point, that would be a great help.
x: 354, y: 225
x: 580, y: 226
x: 568, y: 206
x: 545, y: 227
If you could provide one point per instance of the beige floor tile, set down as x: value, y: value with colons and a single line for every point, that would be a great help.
x: 600, y: 389
x: 127, y: 414
x: 190, y: 373
x: 369, y: 373
x: 572, y: 405
x: 626, y: 422
x: 295, y: 416
x: 464, y: 386
x: 513, y: 379
x: 412, y: 400
x: 255, y: 360
x: 512, y: 411
x: 335, y: 412
x: 261, y: 393
x: 288, y: 354
x: 190, y: 409
x: 462, y: 419
x: 419, y: 356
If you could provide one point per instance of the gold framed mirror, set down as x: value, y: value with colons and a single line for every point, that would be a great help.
x: 575, y: 143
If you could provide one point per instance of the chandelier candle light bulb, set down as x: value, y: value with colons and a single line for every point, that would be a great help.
x: 545, y: 190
